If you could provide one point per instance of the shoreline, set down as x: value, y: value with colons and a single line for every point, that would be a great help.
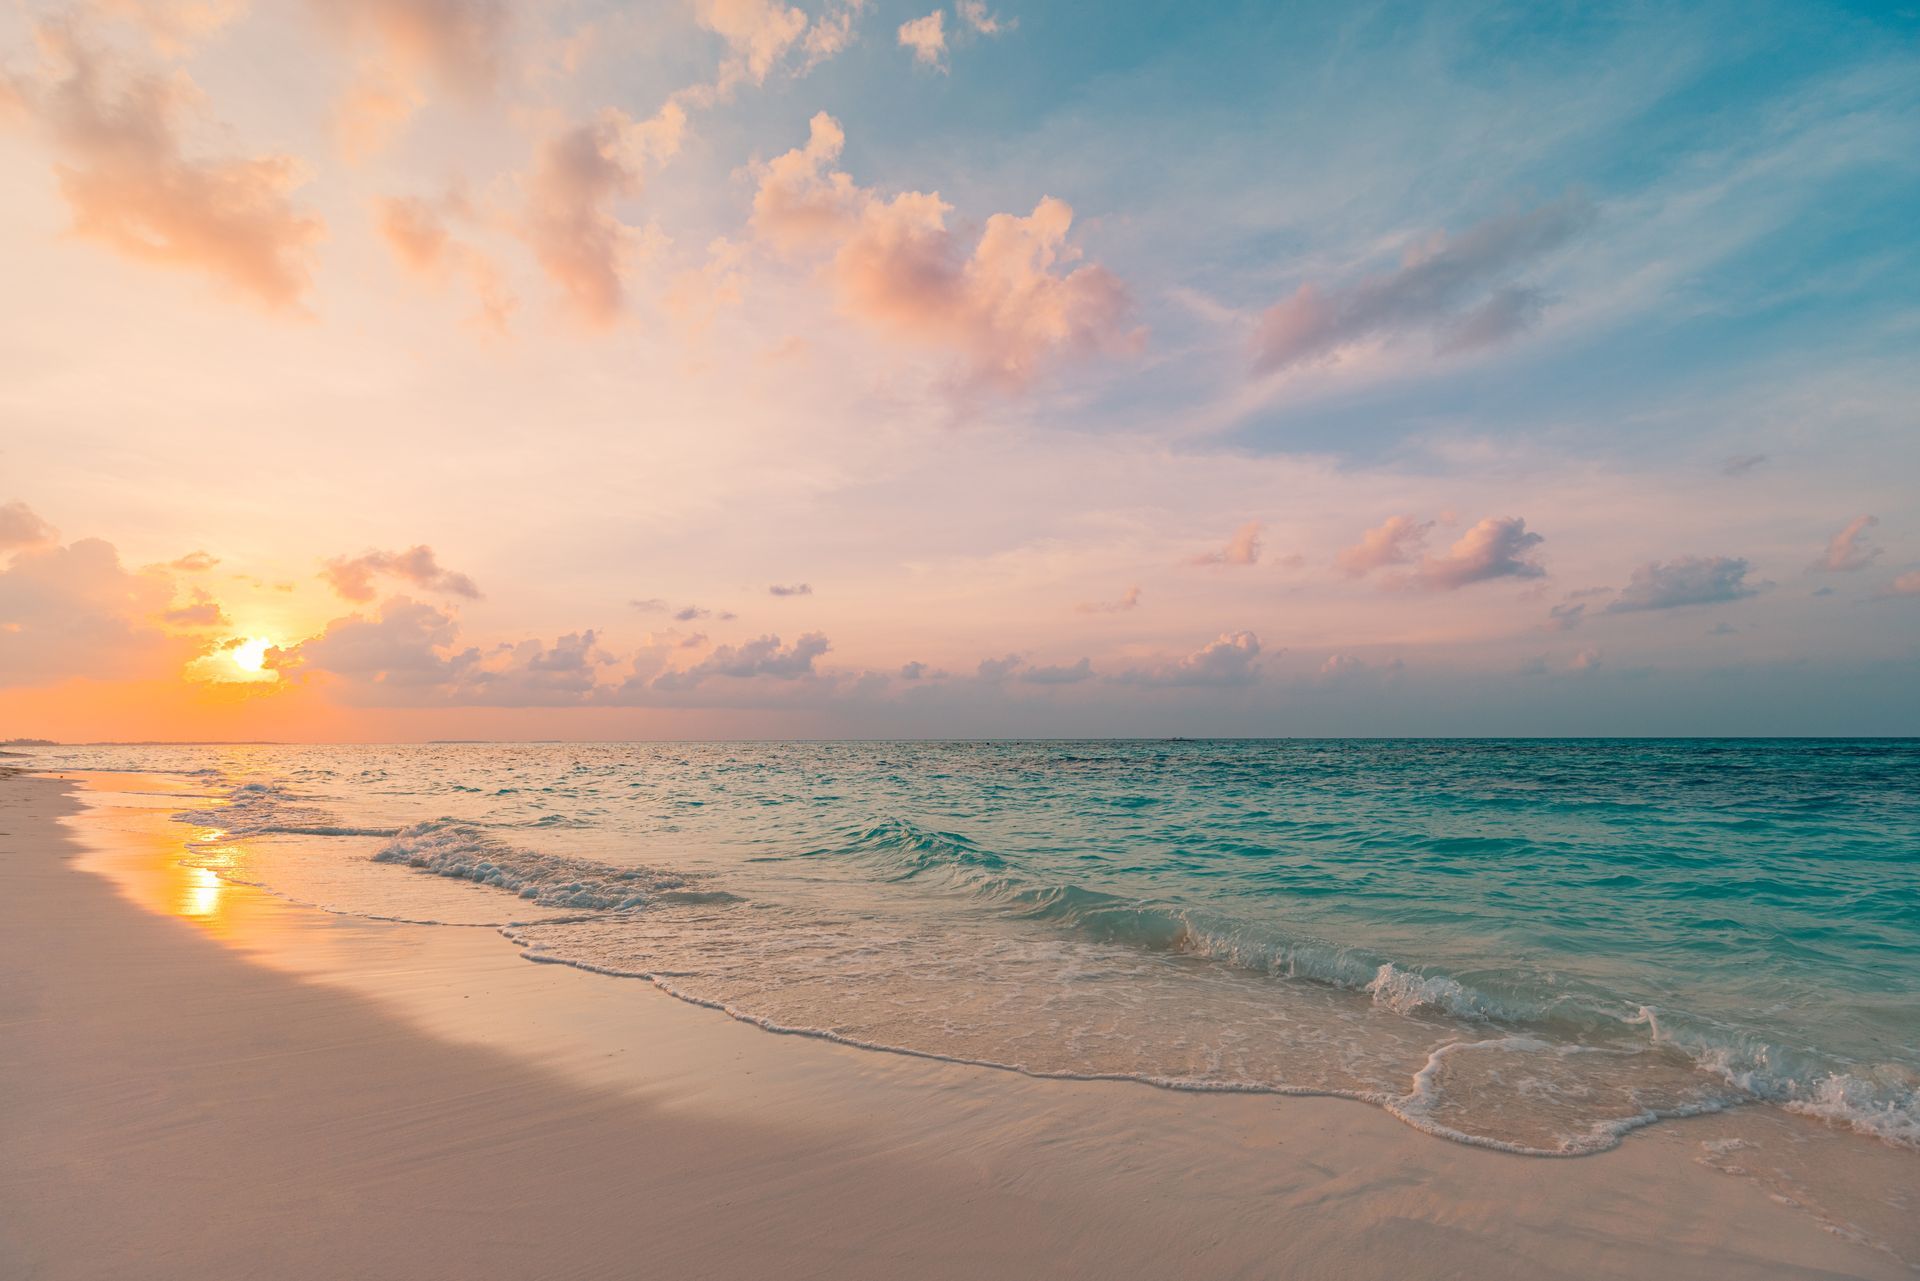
x: 266, y: 1085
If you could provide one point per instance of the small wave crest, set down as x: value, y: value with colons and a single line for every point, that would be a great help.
x: 461, y: 851
x: 1880, y: 1100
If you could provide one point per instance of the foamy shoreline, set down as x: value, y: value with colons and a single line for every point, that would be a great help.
x: 273, y: 1091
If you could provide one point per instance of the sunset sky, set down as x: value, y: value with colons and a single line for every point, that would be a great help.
x: 377, y: 369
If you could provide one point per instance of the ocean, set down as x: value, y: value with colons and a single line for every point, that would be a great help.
x: 1535, y: 945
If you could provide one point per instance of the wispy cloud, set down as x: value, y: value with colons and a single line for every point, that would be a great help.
x: 1848, y: 550
x: 1129, y: 599
x: 1243, y: 548
x: 1450, y: 285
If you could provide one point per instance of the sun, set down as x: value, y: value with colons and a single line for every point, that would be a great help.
x: 251, y: 655
x: 240, y: 661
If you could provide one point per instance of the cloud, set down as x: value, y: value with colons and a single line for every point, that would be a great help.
x: 1847, y: 550
x: 459, y: 47
x: 831, y: 32
x: 689, y: 613
x: 194, y: 563
x: 1564, y: 618
x: 1395, y: 541
x: 1232, y: 658
x: 1497, y: 547
x: 762, y: 657
x: 974, y: 13
x: 409, y: 654
x: 1741, y: 464
x: 570, y: 223
x: 1010, y: 305
x: 1243, y: 548
x: 74, y: 611
x: 128, y: 183
x: 175, y: 26
x: 460, y: 44
x: 353, y: 577
x: 416, y: 231
x: 408, y: 644
x: 203, y: 611
x: 1068, y: 674
x: 20, y: 527
x: 1587, y: 660
x: 1452, y: 285
x: 1507, y: 313
x: 1689, y: 580
x: 1907, y: 584
x: 795, y: 589
x: 649, y: 605
x: 998, y: 669
x: 1344, y: 669
x: 927, y: 37
x: 912, y: 671
x: 757, y: 31
x: 1130, y: 599
x: 413, y: 230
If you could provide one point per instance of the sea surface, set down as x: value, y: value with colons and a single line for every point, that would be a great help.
x: 1531, y: 945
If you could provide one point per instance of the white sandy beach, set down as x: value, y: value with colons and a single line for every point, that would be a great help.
x: 200, y: 1080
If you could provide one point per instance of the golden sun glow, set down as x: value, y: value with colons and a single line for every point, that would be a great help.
x: 242, y: 660
x: 251, y: 655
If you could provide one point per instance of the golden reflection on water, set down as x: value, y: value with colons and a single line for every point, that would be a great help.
x: 200, y: 893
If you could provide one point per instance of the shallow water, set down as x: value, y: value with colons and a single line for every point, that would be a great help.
x: 1532, y: 945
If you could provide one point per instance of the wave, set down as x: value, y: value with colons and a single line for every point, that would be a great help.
x: 461, y: 851
x: 1520, y: 1012
x: 1881, y: 1100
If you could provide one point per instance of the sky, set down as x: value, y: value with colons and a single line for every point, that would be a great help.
x: 413, y: 369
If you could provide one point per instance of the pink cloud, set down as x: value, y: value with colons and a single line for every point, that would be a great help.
x: 763, y: 657
x: 1232, y: 658
x: 1848, y: 549
x: 927, y: 37
x: 353, y: 577
x: 579, y: 173
x: 21, y: 526
x: 1130, y: 599
x: 417, y: 232
x: 1497, y: 547
x: 1395, y: 541
x: 975, y: 14
x: 1009, y: 305
x: 757, y: 31
x: 458, y: 47
x: 129, y: 184
x: 75, y: 611
x: 175, y: 26
x: 202, y: 611
x: 1243, y: 548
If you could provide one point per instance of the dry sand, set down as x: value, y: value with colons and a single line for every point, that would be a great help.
x: 199, y: 1080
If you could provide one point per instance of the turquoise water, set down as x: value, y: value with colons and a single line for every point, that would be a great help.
x: 1536, y: 945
